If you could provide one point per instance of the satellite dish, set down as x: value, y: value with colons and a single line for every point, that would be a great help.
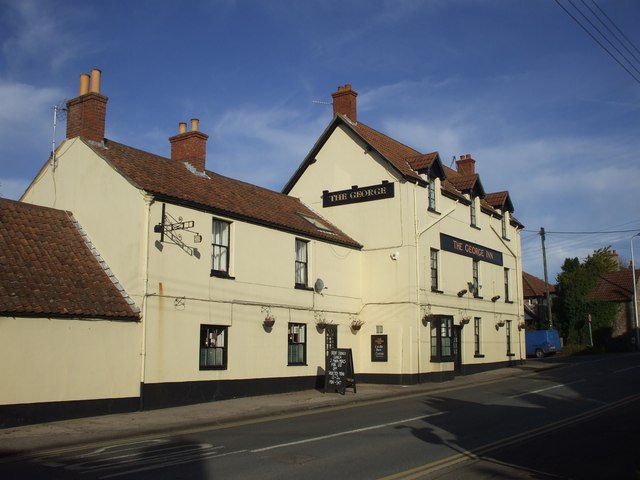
x: 318, y: 286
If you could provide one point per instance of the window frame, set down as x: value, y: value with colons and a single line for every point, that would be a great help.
x: 293, y: 358
x: 473, y: 214
x: 434, y: 269
x: 442, y: 345
x: 432, y: 205
x: 505, y: 230
x: 475, y: 276
x: 507, y: 298
x: 222, y: 350
x: 301, y: 265
x: 508, y: 332
x: 477, y: 337
x: 223, y: 248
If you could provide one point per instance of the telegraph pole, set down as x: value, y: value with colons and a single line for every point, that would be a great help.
x: 546, y: 281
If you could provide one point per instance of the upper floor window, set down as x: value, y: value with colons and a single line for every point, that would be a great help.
x: 302, y: 264
x: 220, y: 262
x: 431, y: 193
x: 434, y: 269
x: 475, y: 282
x: 506, y: 285
x: 473, y: 213
x: 505, y: 223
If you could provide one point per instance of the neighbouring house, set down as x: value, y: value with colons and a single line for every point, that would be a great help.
x: 618, y: 287
x: 371, y: 246
x: 536, y: 309
x: 69, y: 333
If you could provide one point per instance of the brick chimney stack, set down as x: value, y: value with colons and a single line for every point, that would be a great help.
x: 190, y: 146
x: 344, y: 102
x: 86, y: 114
x: 466, y: 165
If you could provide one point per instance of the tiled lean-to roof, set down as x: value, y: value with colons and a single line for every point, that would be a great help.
x: 177, y: 181
x: 614, y: 286
x: 48, y: 268
x: 533, y: 287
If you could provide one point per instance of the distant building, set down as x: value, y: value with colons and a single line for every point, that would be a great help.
x: 617, y: 287
x: 372, y: 246
x: 535, y: 301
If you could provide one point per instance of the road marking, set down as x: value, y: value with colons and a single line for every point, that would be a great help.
x: 477, y: 453
x: 347, y: 432
x: 540, y: 390
x: 626, y: 369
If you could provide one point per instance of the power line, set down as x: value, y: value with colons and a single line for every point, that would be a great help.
x: 637, y: 79
x: 585, y: 233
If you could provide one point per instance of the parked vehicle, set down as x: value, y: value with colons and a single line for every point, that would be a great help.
x: 542, y: 342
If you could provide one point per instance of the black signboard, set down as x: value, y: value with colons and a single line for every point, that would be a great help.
x: 378, y: 348
x: 468, y: 249
x: 358, y: 194
x: 339, y: 374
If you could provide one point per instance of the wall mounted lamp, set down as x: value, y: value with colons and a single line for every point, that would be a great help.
x: 495, y: 298
x: 462, y: 292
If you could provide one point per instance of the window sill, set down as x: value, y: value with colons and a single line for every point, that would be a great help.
x: 506, y: 239
x: 478, y: 297
x: 509, y: 301
x: 303, y: 287
x: 219, y: 274
x: 433, y: 210
x: 205, y: 369
x: 441, y: 359
x: 297, y: 365
x: 435, y: 290
x: 511, y: 354
x: 478, y: 355
x: 475, y: 227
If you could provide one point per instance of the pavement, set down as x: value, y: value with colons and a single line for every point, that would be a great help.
x: 48, y: 438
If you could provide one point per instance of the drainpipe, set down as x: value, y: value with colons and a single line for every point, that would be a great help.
x: 417, y: 238
x: 148, y: 200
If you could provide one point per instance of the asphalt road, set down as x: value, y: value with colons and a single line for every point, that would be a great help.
x: 580, y: 421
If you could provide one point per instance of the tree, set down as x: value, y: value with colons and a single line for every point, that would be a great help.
x: 572, y: 307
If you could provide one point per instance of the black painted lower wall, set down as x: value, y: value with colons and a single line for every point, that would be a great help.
x: 164, y: 395
x: 29, y: 413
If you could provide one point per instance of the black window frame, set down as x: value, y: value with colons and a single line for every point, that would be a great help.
x: 207, y: 333
x: 473, y: 214
x: 477, y: 337
x: 295, y: 344
x: 475, y: 277
x: 302, y: 265
x: 434, y: 258
x: 431, y: 195
x: 442, y: 345
x: 222, y: 248
x: 507, y: 297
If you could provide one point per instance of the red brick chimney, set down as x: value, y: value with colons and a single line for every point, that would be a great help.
x: 190, y: 146
x: 344, y: 102
x: 86, y: 114
x: 466, y: 165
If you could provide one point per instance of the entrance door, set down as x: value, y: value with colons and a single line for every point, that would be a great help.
x: 457, y: 349
x: 330, y: 338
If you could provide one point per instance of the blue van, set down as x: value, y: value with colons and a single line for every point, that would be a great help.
x: 542, y: 342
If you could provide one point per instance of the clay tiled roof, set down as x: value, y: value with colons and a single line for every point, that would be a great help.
x: 47, y: 268
x: 422, y: 161
x: 614, y: 287
x: 397, y: 153
x: 175, y: 181
x: 533, y: 287
x: 499, y: 200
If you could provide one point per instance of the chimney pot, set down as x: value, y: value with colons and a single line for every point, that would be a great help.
x: 194, y: 124
x: 466, y: 164
x: 95, y: 80
x: 182, y: 127
x: 84, y: 83
x: 190, y: 146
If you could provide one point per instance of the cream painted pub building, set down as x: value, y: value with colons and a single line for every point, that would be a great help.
x: 371, y: 246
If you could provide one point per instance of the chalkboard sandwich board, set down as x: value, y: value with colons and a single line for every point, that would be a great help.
x: 339, y: 374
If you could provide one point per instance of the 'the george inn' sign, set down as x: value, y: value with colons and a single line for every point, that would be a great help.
x: 468, y: 249
x: 355, y: 194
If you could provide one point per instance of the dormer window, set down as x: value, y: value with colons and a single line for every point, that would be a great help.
x: 431, y: 193
x: 505, y: 223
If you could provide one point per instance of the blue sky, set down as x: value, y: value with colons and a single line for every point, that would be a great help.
x: 545, y: 111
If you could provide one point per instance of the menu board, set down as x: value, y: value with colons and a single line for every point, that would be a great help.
x: 339, y: 374
x: 379, y: 348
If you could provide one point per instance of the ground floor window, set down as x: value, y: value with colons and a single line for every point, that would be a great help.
x: 297, y: 353
x: 213, y: 347
x: 476, y: 336
x: 509, y: 351
x: 442, y: 339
